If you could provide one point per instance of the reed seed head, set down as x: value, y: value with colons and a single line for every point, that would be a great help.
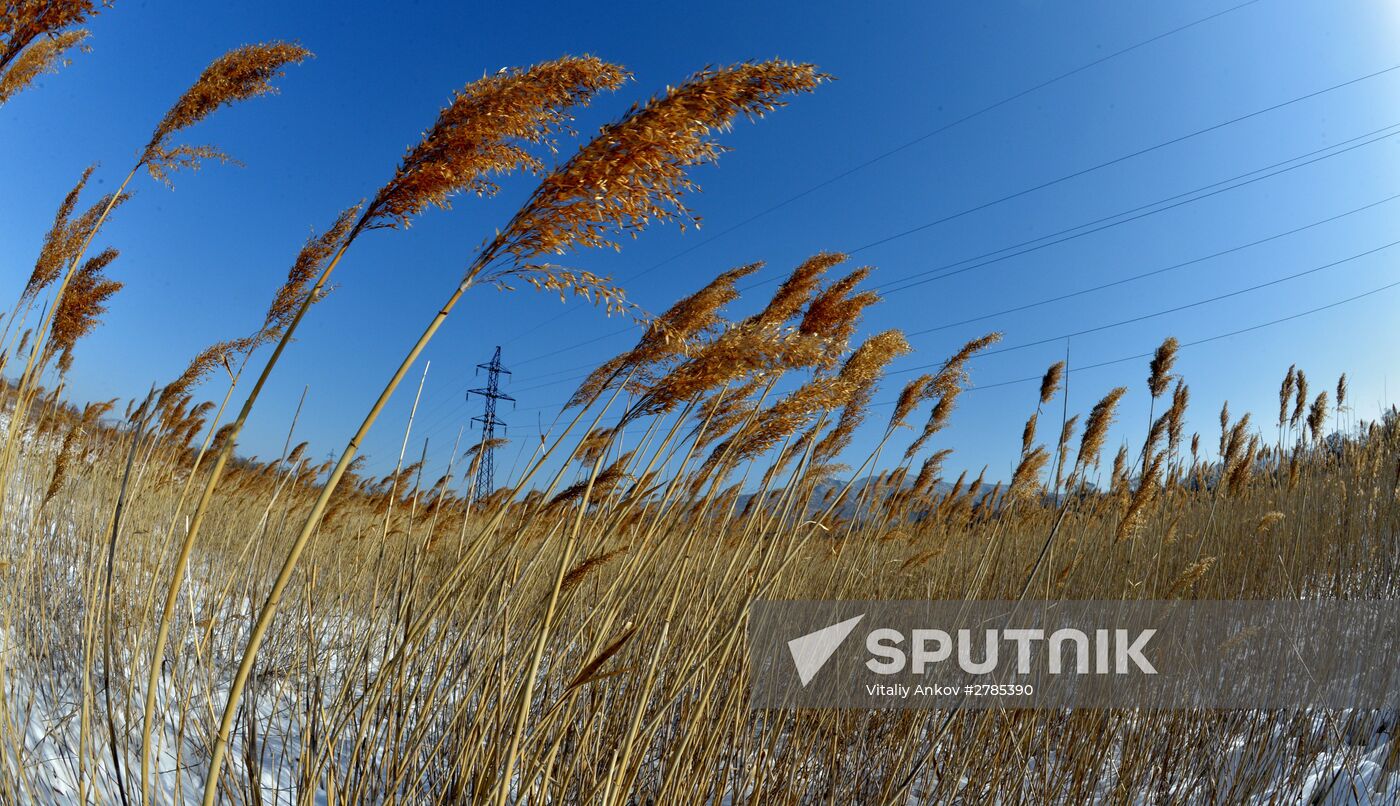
x: 47, y: 55
x: 929, y: 473
x: 1176, y: 415
x: 1096, y: 428
x: 631, y: 174
x: 59, y: 243
x: 209, y: 359
x: 309, y: 263
x: 1189, y: 577
x: 583, y: 570
x: 1317, y: 416
x: 1242, y: 469
x: 937, y: 419
x: 909, y: 398
x: 1267, y: 522
x: 946, y: 385
x: 1301, y: 399
x: 592, y: 447
x: 796, y: 291
x: 83, y: 302
x: 604, y: 483
x: 23, y: 22
x: 674, y: 334
x: 857, y: 378
x: 1161, y: 366
x: 486, y: 132
x: 25, y: 19
x: 1050, y: 383
x: 1119, y: 477
x: 1285, y: 394
x: 1224, y: 426
x: 1026, y: 480
x: 242, y: 73
x: 1062, y: 447
x: 634, y: 172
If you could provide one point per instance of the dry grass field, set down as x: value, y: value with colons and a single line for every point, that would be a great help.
x: 179, y: 623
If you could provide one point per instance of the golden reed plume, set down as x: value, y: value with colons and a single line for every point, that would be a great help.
x: 67, y: 236
x: 762, y: 344
x: 1301, y: 389
x: 633, y: 173
x: 946, y: 385
x: 672, y: 335
x: 833, y: 313
x: 1285, y: 393
x: 1096, y: 428
x: 484, y: 132
x: 45, y: 56
x: 33, y: 38
x: 1050, y: 383
x: 1161, y: 367
x: 857, y: 380
x: 238, y: 75
x: 78, y: 311
x: 1317, y: 416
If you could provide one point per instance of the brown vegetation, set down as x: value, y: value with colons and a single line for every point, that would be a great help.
x: 578, y: 635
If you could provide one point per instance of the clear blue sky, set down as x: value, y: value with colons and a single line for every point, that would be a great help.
x: 200, y: 262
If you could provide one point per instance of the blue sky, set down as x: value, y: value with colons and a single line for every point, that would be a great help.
x: 200, y: 262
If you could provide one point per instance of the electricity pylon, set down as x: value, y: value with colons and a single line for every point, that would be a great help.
x: 485, y: 474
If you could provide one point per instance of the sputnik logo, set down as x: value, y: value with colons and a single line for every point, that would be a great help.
x: 810, y: 652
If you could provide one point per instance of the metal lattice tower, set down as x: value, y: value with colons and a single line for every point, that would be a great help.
x: 485, y: 476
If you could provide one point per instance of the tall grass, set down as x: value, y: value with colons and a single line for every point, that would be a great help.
x: 179, y: 627
x: 37, y: 37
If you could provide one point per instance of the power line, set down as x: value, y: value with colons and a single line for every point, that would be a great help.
x: 1070, y: 233
x: 576, y: 345
x: 1155, y: 272
x: 1137, y: 213
x: 1155, y: 314
x: 1140, y: 318
x: 946, y: 127
x: 1121, y: 323
x: 1131, y: 320
x: 1184, y: 345
x: 1276, y: 236
x: 1138, y: 356
x: 1091, y: 169
x: 1118, y: 160
x: 904, y: 147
